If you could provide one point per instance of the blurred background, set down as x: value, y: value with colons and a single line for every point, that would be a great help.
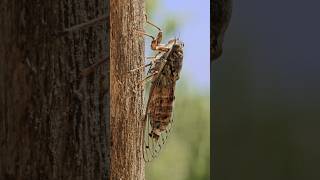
x: 265, y: 100
x: 186, y: 155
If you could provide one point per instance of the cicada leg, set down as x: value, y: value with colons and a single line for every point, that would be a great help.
x: 152, y: 23
x: 155, y: 43
x: 141, y: 67
x: 153, y: 59
x: 146, y: 79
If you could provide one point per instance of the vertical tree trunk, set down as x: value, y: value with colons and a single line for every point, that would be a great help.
x: 126, y: 53
x: 53, y: 122
x: 221, y: 11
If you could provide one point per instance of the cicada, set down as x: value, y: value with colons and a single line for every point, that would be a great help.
x: 164, y: 72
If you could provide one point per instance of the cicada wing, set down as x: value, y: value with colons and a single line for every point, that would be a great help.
x: 152, y: 146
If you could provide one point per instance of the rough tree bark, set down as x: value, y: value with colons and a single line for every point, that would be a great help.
x: 53, y: 122
x: 126, y: 53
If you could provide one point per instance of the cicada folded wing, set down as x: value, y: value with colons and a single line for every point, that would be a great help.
x: 159, y: 110
x: 154, y: 141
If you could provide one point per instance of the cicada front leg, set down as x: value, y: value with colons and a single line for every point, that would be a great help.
x: 155, y: 43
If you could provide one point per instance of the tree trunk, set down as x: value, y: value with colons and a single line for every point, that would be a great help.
x: 126, y: 53
x: 54, y: 123
x: 221, y: 11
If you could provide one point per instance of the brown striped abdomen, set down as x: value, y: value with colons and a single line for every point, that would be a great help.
x: 161, y: 104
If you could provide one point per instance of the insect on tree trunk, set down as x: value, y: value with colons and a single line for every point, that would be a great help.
x: 54, y: 123
x: 126, y: 53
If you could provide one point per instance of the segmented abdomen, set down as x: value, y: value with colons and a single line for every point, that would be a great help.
x: 162, y: 91
x: 161, y: 107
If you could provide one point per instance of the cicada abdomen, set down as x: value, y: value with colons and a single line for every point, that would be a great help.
x: 159, y: 111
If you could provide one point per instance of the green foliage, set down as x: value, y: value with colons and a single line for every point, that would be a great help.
x: 151, y: 6
x: 171, y: 24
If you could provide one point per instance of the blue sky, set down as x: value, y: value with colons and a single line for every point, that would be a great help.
x: 195, y: 33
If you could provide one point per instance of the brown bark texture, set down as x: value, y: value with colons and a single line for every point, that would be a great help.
x: 126, y: 53
x: 53, y: 122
